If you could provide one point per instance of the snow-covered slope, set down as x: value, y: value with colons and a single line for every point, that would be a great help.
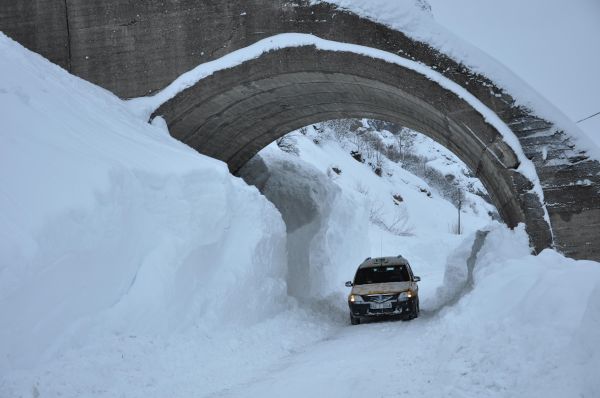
x: 108, y: 225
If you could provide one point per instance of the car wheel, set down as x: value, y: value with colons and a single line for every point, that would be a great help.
x: 414, y: 313
x: 417, y: 308
x: 354, y: 320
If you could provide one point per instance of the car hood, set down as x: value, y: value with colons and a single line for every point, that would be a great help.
x: 381, y: 288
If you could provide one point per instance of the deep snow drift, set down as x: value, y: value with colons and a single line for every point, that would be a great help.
x: 108, y: 225
x: 132, y: 266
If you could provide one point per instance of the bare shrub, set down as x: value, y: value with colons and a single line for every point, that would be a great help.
x: 288, y: 144
x: 398, y: 224
x: 341, y: 128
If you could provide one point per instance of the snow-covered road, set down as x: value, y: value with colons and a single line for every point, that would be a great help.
x: 376, y: 359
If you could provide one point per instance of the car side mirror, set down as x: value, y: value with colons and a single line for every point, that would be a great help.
x: 349, y: 284
x: 417, y: 279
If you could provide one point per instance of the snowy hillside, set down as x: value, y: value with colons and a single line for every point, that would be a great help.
x: 111, y: 227
x: 339, y: 211
x: 132, y: 266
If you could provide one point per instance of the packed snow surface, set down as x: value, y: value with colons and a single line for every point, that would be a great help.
x: 132, y: 266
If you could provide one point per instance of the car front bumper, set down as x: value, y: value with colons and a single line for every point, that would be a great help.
x: 363, y: 310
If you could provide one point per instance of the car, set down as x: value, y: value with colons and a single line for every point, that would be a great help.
x: 383, y: 286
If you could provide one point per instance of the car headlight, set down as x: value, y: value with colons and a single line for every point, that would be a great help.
x: 355, y: 298
x: 405, y: 295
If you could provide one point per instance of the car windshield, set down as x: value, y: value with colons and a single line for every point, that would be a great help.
x: 383, y: 274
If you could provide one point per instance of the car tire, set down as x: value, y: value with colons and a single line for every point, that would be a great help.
x: 417, y: 308
x: 354, y: 320
x: 414, y: 313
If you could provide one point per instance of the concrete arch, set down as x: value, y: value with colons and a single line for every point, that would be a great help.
x: 136, y: 48
x: 235, y: 112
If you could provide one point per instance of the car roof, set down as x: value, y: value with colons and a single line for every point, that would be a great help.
x: 379, y: 261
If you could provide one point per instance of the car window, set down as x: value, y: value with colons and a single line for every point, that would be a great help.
x: 410, y: 272
x: 383, y: 274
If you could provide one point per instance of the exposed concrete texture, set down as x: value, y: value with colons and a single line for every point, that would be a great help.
x: 137, y: 47
x: 40, y: 25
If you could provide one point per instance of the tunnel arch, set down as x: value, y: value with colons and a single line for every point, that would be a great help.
x: 137, y: 48
x: 235, y: 112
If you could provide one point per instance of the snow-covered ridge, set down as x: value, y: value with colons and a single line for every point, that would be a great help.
x: 146, y: 105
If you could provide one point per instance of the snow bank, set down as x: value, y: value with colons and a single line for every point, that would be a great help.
x: 327, y: 226
x: 524, y: 324
x: 455, y: 276
x: 523, y: 331
x: 530, y: 321
x: 108, y: 225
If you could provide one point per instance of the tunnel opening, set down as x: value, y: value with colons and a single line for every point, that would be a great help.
x: 352, y: 188
x: 234, y: 113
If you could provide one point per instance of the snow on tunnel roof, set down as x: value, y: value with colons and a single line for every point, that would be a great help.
x: 414, y: 19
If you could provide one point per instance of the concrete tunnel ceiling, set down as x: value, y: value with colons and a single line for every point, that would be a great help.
x: 137, y: 47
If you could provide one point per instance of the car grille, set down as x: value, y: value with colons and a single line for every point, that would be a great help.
x: 379, y: 298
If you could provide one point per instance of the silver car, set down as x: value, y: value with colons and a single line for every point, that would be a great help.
x: 383, y: 286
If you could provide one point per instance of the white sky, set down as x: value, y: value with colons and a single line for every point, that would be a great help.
x: 554, y: 45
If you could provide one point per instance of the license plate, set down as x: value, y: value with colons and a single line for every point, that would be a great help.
x: 380, y: 306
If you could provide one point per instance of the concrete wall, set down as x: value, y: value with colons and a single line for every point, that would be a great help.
x: 40, y: 25
x: 136, y: 47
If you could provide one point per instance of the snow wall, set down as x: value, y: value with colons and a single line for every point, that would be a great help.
x: 108, y: 225
x: 328, y: 228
